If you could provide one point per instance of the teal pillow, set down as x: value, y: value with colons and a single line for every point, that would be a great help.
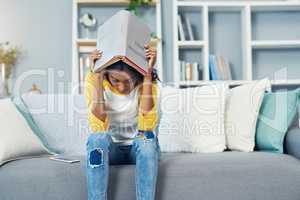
x: 23, y: 109
x: 276, y: 114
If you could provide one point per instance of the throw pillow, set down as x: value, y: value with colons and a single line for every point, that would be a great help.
x: 276, y: 114
x: 192, y: 119
x: 17, y: 140
x: 242, y: 108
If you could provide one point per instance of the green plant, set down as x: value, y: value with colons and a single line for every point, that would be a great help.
x: 8, y: 56
x: 135, y: 4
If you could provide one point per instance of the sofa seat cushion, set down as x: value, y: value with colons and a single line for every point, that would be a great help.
x: 227, y: 175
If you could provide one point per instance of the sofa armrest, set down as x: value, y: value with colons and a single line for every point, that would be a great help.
x: 292, y: 142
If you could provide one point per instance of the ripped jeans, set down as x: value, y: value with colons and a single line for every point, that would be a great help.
x: 102, y: 151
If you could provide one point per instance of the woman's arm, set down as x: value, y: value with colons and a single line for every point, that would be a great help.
x: 146, y: 98
x: 98, y: 103
x: 97, y: 116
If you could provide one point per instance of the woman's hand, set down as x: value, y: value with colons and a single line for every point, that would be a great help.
x: 94, y: 56
x: 150, y: 53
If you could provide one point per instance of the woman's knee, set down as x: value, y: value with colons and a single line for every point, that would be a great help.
x: 147, y: 147
x: 97, y: 148
x: 98, y: 140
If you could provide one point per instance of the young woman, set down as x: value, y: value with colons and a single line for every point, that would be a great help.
x: 122, y: 114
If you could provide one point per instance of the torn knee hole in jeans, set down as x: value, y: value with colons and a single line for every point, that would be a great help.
x: 96, y: 157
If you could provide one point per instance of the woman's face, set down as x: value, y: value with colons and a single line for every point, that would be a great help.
x: 121, y: 80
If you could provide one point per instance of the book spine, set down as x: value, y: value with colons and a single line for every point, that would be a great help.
x: 195, y: 71
x: 189, y: 71
x: 219, y: 68
x: 212, y: 67
x: 81, y: 74
x: 189, y: 28
x: 182, y: 70
x: 180, y: 28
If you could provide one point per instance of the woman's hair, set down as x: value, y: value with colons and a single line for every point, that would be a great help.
x: 120, y: 65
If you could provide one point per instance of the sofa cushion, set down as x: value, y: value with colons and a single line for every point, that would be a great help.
x: 192, y: 119
x: 62, y: 118
x: 227, y: 175
x: 17, y: 140
x: 276, y: 114
x: 241, y: 111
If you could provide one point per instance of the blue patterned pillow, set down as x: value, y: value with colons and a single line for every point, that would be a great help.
x: 276, y: 114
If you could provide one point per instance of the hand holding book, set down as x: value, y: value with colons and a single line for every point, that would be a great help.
x: 150, y: 54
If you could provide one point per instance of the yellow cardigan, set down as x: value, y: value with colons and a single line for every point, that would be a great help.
x: 146, y: 121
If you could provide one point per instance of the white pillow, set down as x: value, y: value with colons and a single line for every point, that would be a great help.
x: 192, y: 119
x: 16, y: 137
x: 241, y: 112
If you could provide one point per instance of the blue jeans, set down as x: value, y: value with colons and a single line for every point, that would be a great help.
x: 102, y: 152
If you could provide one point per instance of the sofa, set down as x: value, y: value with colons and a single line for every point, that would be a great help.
x: 230, y: 175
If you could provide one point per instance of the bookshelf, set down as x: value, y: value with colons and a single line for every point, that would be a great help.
x: 246, y: 34
x: 83, y: 44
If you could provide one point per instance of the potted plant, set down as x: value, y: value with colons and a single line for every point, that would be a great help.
x: 8, y: 58
x: 134, y: 5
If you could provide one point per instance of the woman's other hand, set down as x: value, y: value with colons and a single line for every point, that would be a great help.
x: 150, y: 54
x: 94, y: 56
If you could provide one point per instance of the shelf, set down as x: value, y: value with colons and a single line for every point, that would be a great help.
x: 286, y: 82
x: 263, y: 5
x: 109, y: 2
x: 275, y: 44
x: 276, y: 6
x: 86, y: 42
x: 190, y: 44
x: 275, y: 25
x: 204, y: 82
x: 238, y: 82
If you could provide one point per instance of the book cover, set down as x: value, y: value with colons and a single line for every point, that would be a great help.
x: 219, y: 68
x: 122, y: 38
x: 182, y: 70
x: 180, y: 28
x: 189, y: 71
x: 227, y: 71
x: 212, y: 67
x: 189, y: 28
x: 195, y: 71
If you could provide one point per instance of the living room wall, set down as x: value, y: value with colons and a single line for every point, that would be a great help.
x: 43, y: 29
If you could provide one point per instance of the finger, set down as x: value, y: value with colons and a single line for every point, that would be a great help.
x: 150, y: 54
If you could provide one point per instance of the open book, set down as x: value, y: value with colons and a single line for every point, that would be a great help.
x: 122, y: 37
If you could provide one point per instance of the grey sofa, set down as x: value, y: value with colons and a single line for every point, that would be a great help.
x: 210, y: 176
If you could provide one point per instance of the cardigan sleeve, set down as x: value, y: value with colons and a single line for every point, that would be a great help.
x: 148, y: 121
x: 95, y: 123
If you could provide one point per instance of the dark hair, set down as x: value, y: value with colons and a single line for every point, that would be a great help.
x: 120, y: 65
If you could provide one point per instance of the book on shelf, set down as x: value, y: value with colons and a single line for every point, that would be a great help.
x: 180, y: 28
x: 212, y: 68
x: 122, y: 38
x: 84, y: 63
x: 219, y: 68
x: 226, y: 69
x: 189, y: 28
x: 189, y: 71
x: 185, y: 31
